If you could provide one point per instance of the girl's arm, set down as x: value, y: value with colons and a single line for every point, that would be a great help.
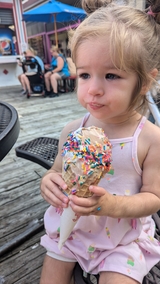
x: 147, y: 201
x: 52, y: 182
x: 142, y: 204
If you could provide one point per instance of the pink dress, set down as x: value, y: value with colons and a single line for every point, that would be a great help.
x: 103, y: 243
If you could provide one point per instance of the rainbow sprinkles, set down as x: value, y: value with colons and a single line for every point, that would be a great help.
x: 86, y: 158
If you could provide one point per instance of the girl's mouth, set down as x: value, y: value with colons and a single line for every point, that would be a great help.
x: 95, y: 106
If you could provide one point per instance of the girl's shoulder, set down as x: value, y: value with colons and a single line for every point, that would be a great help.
x: 151, y: 131
x: 148, y: 155
x: 149, y: 138
x: 71, y: 126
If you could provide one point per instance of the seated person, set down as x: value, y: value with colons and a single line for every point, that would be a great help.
x: 19, y: 61
x: 73, y: 72
x: 57, y: 70
x: 71, y: 65
x: 23, y: 77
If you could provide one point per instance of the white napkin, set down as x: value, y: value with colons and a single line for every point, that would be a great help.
x: 68, y: 220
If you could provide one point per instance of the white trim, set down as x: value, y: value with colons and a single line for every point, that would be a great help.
x: 8, y: 59
x: 7, y: 1
x: 24, y: 1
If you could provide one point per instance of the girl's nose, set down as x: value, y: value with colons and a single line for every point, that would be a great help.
x: 96, y: 89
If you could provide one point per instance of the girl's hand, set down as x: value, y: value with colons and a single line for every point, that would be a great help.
x: 101, y: 203
x: 52, y: 185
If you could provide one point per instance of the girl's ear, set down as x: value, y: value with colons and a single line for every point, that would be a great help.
x: 153, y: 74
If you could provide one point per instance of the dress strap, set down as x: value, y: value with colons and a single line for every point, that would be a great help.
x: 85, y: 118
x: 135, y: 144
x: 139, y: 127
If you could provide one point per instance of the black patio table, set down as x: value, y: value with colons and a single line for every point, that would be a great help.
x: 9, y: 128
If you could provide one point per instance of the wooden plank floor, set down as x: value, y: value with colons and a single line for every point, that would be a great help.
x: 21, y: 205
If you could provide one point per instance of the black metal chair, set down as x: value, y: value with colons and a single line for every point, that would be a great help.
x: 9, y: 128
x: 43, y: 151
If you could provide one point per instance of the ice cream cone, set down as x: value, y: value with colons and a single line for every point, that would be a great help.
x: 86, y: 159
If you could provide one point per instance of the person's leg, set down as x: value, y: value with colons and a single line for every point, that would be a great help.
x: 55, y: 271
x: 47, y: 81
x: 54, y: 82
x: 19, y: 77
x: 25, y: 83
x: 114, y: 278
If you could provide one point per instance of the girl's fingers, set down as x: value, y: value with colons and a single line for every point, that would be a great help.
x: 52, y: 192
x: 99, y: 191
x: 57, y: 179
x: 84, y: 211
x: 80, y: 201
x: 60, y: 200
x: 48, y: 199
x: 88, y: 206
x: 90, y: 201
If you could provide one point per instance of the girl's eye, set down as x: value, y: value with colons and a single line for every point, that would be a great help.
x: 111, y: 76
x: 84, y: 76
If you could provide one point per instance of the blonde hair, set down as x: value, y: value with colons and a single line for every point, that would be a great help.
x: 133, y: 36
x: 32, y: 50
x: 54, y: 48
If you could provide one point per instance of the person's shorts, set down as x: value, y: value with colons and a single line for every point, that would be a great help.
x: 62, y: 75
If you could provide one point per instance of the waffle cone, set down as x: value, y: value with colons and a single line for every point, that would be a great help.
x: 81, y: 190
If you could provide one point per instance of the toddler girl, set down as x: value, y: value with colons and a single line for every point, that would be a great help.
x: 116, y: 53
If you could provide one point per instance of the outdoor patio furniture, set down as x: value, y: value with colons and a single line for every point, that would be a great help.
x: 9, y: 128
x: 43, y: 151
x: 69, y: 83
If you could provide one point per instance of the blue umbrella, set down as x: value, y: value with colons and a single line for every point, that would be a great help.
x: 54, y: 11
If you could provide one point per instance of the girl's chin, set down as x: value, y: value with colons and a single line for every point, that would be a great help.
x: 99, y: 116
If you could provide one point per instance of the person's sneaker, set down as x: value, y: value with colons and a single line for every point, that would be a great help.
x: 24, y: 92
x: 30, y: 93
x: 47, y: 94
x: 53, y: 95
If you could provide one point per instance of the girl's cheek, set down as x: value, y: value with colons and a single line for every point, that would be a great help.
x: 81, y: 99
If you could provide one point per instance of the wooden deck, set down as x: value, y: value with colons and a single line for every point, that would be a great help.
x: 21, y: 205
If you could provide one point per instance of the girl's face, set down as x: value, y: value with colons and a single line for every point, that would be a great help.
x: 103, y: 90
